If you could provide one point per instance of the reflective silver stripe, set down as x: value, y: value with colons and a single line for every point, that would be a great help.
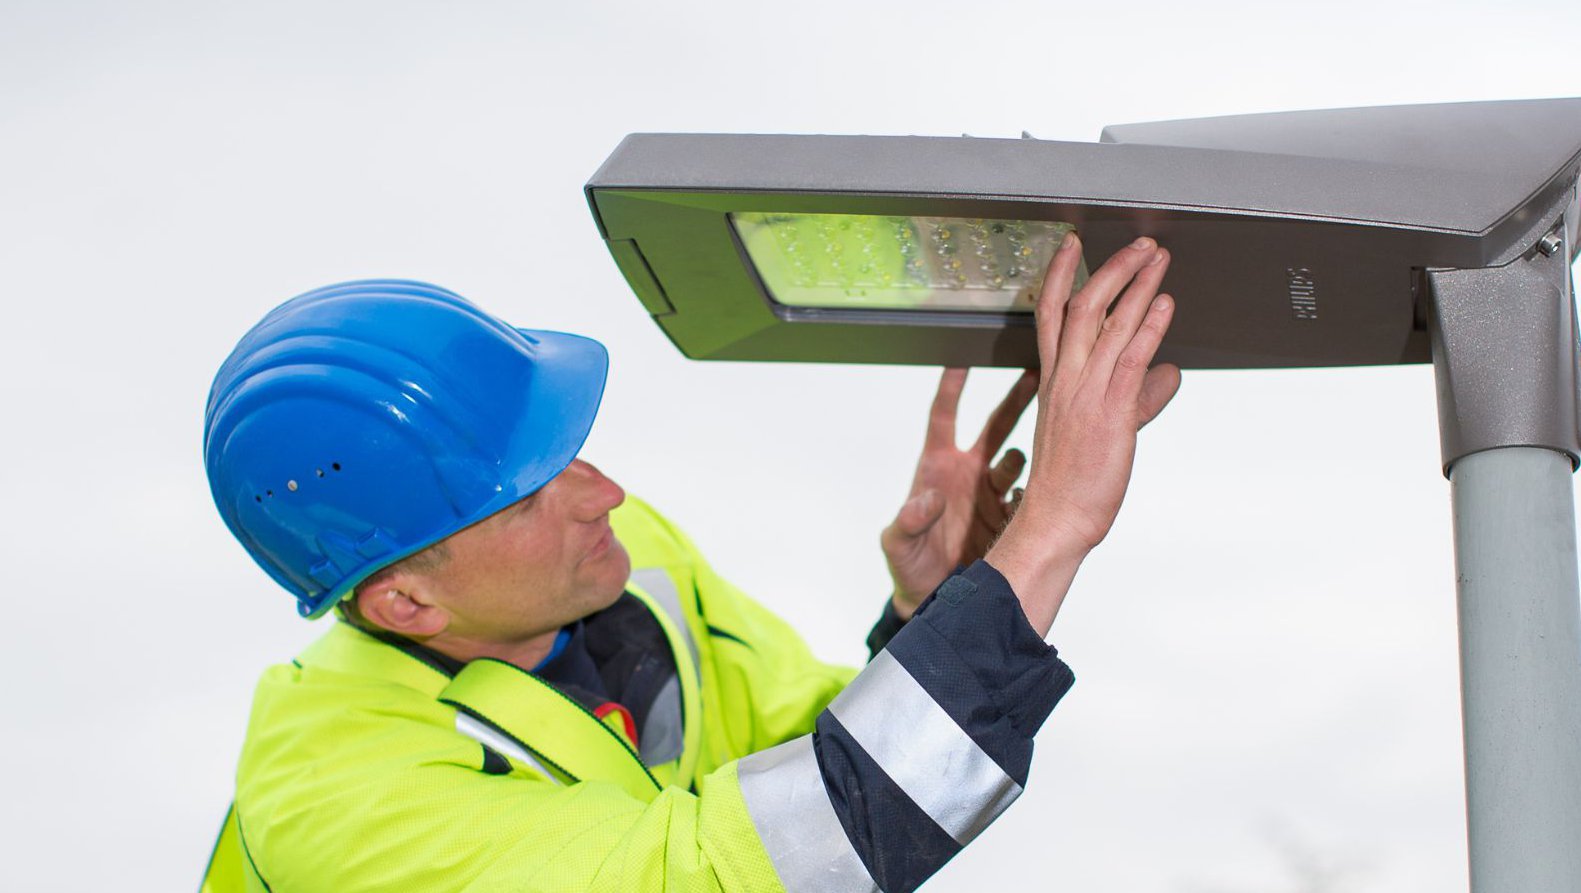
x: 784, y: 793
x: 663, y: 735
x: 655, y: 582
x: 923, y: 750
x: 493, y: 740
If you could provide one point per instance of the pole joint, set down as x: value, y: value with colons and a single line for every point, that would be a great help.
x: 1505, y: 348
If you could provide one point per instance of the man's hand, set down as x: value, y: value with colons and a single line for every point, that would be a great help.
x: 957, y: 502
x: 1095, y: 391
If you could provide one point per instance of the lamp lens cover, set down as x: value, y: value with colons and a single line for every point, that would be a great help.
x: 857, y: 261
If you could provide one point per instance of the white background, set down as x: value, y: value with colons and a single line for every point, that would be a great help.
x: 1268, y: 694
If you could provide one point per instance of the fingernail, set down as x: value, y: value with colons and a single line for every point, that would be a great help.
x: 1161, y: 303
x: 1142, y: 244
x: 1069, y: 241
x: 1157, y: 257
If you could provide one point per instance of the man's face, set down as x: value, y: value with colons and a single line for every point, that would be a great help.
x: 544, y: 562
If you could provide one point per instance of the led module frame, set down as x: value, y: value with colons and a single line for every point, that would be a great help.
x: 1298, y: 238
x: 854, y: 261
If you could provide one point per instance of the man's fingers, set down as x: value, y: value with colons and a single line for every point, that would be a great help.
x: 1130, y: 368
x: 1006, y: 414
x: 1052, y: 298
x: 1121, y: 325
x: 941, y: 418
x: 990, y: 501
x: 1005, y: 472
x: 1158, y: 388
x: 1088, y: 308
x: 919, y: 514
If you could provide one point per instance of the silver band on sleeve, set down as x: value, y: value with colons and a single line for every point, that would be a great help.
x: 925, y: 752
x: 790, y: 809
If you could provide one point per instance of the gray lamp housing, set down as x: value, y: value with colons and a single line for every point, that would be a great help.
x: 1322, y: 238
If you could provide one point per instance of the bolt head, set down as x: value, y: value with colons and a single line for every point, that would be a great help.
x: 1550, y: 244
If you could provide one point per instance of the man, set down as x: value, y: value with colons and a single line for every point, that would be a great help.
x: 539, y: 683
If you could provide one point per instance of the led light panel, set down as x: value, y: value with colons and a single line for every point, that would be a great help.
x: 909, y: 263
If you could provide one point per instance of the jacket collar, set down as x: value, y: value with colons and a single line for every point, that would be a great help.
x: 346, y: 649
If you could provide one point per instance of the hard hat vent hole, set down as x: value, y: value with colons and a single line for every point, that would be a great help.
x: 335, y: 465
x: 257, y: 498
x: 319, y: 471
x: 269, y: 493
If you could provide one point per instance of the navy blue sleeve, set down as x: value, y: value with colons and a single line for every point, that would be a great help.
x: 975, y: 629
x: 972, y: 648
x: 888, y: 624
x: 908, y: 752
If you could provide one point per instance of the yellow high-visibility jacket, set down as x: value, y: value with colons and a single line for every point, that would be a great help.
x: 366, y: 767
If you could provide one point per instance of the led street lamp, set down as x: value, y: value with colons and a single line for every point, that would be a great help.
x: 1297, y: 239
x: 1408, y: 234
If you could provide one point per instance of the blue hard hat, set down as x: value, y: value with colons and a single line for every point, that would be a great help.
x: 362, y: 422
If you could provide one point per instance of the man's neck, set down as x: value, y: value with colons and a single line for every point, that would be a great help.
x: 525, y: 654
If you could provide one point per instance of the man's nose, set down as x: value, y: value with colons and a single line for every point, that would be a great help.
x: 596, y: 493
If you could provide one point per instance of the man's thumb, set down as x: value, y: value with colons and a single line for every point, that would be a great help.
x: 919, y: 513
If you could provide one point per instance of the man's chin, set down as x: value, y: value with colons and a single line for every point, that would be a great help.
x: 617, y: 566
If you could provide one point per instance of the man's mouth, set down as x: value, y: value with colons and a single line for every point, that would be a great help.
x: 601, y: 545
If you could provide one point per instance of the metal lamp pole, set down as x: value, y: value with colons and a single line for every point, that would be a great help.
x: 1505, y: 357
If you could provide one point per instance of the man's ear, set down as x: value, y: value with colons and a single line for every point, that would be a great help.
x: 401, y: 604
